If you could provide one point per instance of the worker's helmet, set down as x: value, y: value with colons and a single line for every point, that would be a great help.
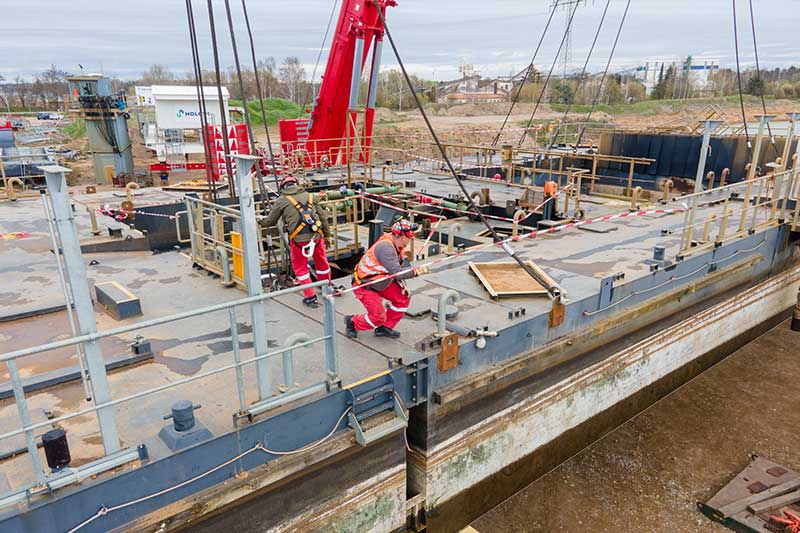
x: 404, y: 227
x: 287, y: 180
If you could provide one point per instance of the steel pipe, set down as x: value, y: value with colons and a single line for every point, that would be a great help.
x: 288, y: 358
x: 448, y: 297
x: 451, y: 235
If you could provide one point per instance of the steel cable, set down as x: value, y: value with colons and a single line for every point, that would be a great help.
x: 319, y: 56
x: 257, y: 447
x: 527, y: 73
x: 549, y: 75
x: 758, y: 76
x: 246, y: 110
x: 739, y: 79
x: 223, y: 120
x: 201, y: 99
x: 553, y: 291
x: 582, y: 77
x: 605, y: 73
x: 261, y: 99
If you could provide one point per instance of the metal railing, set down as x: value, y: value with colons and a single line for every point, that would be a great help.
x: 760, y: 203
x: 289, y: 391
x: 89, y: 339
x: 215, y: 244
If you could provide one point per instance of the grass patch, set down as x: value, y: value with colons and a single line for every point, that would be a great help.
x: 76, y: 129
x: 274, y: 109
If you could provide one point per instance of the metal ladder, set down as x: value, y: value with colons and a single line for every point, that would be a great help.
x: 360, y: 412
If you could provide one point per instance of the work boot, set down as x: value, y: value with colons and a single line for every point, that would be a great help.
x: 311, y: 302
x: 350, y: 329
x: 383, y: 331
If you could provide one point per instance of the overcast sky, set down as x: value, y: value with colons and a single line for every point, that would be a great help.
x: 433, y: 36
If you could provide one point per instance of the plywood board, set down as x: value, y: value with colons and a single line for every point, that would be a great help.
x: 507, y: 279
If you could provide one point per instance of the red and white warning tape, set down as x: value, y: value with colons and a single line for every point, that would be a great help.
x: 530, y: 235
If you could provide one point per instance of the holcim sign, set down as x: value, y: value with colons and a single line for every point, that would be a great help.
x: 181, y: 113
x: 177, y: 106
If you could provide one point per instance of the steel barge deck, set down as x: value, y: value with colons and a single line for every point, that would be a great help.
x: 371, y: 434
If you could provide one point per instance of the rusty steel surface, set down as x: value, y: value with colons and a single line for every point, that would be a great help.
x: 448, y: 357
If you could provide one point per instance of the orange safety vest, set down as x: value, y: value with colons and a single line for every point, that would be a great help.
x: 550, y: 188
x: 369, y: 268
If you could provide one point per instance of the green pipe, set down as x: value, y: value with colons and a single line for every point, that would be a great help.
x: 336, y: 195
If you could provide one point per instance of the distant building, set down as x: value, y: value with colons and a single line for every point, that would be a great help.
x: 699, y: 72
x: 471, y: 88
x: 473, y: 98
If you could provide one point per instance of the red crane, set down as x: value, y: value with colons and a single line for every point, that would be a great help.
x: 330, y: 132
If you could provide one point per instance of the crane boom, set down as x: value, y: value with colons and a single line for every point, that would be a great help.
x: 329, y: 133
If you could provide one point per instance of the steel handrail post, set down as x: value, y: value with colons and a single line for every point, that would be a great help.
x: 25, y: 418
x: 67, y: 296
x: 82, y: 300
x: 762, y: 122
x: 252, y: 266
x: 237, y: 356
x: 329, y: 324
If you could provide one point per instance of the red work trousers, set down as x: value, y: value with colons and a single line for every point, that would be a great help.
x: 376, y: 314
x: 300, y: 264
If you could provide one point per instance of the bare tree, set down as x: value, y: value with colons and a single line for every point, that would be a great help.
x: 266, y: 72
x: 22, y: 91
x: 292, y: 74
x: 50, y: 85
x: 157, y: 74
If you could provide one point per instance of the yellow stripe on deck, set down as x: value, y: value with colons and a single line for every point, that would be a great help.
x: 361, y: 381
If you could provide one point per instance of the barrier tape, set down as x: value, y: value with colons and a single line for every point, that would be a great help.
x: 438, y: 202
x: 530, y: 235
x: 121, y: 214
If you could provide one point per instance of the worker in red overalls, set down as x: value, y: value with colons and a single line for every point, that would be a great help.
x: 383, y: 259
x: 309, y: 233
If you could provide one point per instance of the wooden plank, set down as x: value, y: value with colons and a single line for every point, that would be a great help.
x: 777, y: 490
x: 507, y: 279
x: 477, y: 272
x: 774, y: 503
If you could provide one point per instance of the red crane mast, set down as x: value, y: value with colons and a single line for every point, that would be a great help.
x: 330, y: 132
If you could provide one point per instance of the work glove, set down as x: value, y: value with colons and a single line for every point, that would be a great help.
x: 421, y: 270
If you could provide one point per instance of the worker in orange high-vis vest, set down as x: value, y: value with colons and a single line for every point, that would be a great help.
x: 376, y: 279
x: 309, y: 235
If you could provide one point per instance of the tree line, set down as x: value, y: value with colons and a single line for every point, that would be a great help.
x: 290, y: 80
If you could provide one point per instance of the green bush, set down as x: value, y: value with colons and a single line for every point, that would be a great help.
x: 274, y: 108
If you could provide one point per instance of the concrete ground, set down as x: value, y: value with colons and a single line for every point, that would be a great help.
x: 648, y: 474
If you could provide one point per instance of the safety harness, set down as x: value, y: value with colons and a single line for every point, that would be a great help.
x: 307, y: 220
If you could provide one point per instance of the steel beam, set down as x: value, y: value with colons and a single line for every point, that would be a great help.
x: 252, y: 266
x: 82, y: 300
x: 375, y: 73
x: 708, y: 127
x: 762, y: 123
x: 355, y: 80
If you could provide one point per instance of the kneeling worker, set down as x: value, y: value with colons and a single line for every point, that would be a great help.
x: 383, y: 259
x: 309, y: 233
